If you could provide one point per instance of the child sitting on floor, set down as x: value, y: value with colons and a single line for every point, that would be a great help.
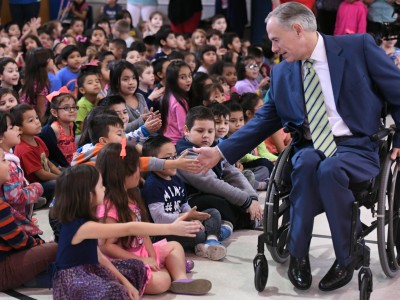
x: 166, y: 197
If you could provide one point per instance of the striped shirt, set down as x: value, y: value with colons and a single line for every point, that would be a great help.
x: 12, y: 238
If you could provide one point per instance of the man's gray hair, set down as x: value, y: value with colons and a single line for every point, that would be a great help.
x: 293, y: 12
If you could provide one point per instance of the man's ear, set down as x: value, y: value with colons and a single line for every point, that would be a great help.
x: 298, y: 28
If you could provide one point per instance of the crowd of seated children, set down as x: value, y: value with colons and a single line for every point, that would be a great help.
x: 84, y: 88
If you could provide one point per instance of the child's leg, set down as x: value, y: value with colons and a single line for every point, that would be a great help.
x: 175, y: 261
x: 159, y: 283
x: 213, y: 224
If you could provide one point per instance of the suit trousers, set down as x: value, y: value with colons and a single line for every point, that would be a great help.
x: 322, y: 184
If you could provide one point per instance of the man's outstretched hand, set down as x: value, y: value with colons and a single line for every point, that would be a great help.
x: 208, y: 157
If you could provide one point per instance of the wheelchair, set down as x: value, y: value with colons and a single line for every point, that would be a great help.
x: 380, y: 195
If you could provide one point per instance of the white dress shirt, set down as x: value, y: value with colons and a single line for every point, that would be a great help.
x: 321, y: 67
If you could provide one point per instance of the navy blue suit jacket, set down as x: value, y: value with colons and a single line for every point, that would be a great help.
x: 362, y: 77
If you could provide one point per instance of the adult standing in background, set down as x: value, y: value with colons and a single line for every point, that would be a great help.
x: 235, y: 12
x: 379, y: 11
x: 141, y: 10
x: 326, y: 15
x: 185, y: 15
x: 23, y: 11
x: 333, y: 99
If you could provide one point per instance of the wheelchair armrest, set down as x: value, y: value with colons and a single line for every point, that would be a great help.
x: 381, y: 134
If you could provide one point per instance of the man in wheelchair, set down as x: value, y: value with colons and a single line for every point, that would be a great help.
x: 331, y: 90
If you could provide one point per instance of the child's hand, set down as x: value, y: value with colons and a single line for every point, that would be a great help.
x: 239, y: 166
x: 184, y: 228
x: 157, y: 93
x: 255, y: 210
x: 264, y: 82
x: 193, y: 214
x: 132, y: 291
x: 153, y: 124
x: 152, y: 262
x: 187, y: 164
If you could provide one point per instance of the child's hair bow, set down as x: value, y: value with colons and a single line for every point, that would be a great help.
x: 63, y: 90
x: 123, y: 148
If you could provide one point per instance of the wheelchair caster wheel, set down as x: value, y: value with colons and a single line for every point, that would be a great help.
x: 260, y: 272
x: 279, y: 253
x: 365, y: 283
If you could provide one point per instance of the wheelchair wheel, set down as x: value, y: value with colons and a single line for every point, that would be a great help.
x: 260, y: 272
x: 277, y: 210
x: 388, y: 216
x: 365, y: 288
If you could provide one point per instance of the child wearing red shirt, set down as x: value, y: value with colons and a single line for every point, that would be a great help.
x: 32, y: 151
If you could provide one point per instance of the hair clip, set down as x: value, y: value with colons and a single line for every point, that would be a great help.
x: 65, y: 41
x: 93, y: 63
x: 81, y: 38
x: 64, y: 90
x: 123, y: 148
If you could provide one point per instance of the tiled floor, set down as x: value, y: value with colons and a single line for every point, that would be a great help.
x: 233, y: 278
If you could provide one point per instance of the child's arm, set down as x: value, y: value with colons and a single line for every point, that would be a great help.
x: 43, y: 175
x: 54, y: 169
x: 158, y: 164
x: 110, y: 248
x: 13, y: 238
x: 248, y: 158
x: 41, y: 107
x: 152, y: 259
x: 94, y: 230
x: 183, y: 163
x: 132, y: 291
x: 15, y: 192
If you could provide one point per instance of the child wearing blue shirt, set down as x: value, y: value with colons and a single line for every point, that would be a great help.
x: 165, y: 195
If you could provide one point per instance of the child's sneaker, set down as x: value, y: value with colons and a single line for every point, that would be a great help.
x: 191, y: 286
x: 257, y: 224
x: 189, y: 265
x: 212, y: 249
x: 40, y: 202
x: 226, y: 230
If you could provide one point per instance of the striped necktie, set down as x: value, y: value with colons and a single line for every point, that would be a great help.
x: 321, y: 133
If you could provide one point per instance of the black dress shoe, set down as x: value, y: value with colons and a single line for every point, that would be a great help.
x: 338, y: 276
x: 299, y: 272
